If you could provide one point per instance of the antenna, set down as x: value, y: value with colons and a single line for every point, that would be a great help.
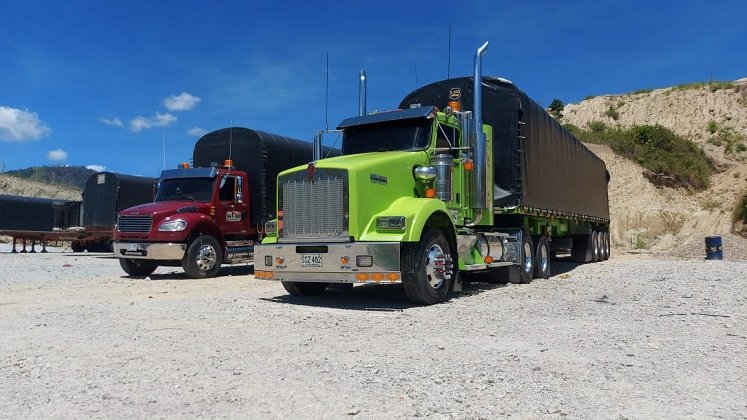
x: 326, y: 100
x: 416, y: 75
x: 230, y: 140
x: 448, y: 66
x: 163, y: 141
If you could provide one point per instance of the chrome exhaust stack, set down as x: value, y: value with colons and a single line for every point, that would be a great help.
x: 362, y: 94
x: 480, y: 141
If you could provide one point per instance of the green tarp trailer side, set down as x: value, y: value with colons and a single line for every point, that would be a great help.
x: 537, y: 164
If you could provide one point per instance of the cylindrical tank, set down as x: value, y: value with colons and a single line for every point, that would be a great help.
x: 444, y: 166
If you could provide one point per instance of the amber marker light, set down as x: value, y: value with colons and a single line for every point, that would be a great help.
x: 488, y: 259
x: 377, y: 277
x: 455, y: 106
x: 430, y: 193
x: 361, y: 276
x: 228, y: 163
x: 469, y: 165
x: 185, y: 165
x: 392, y: 277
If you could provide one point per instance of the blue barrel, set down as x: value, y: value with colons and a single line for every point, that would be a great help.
x: 714, y: 249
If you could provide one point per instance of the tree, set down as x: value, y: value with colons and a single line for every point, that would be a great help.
x: 556, y: 108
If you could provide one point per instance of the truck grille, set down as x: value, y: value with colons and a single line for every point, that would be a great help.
x: 314, y: 208
x: 136, y: 224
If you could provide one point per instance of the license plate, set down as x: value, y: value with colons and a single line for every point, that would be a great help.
x: 132, y: 247
x: 311, y: 260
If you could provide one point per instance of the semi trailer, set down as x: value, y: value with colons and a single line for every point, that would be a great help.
x: 468, y: 175
x: 212, y: 212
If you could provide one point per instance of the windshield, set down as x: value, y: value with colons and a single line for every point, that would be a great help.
x: 185, y: 189
x: 410, y: 134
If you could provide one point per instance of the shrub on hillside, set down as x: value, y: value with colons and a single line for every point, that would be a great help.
x: 672, y: 160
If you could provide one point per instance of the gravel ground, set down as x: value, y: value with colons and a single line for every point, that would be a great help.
x: 637, y: 336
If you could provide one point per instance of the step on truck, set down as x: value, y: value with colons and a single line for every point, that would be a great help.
x: 469, y: 175
x: 212, y: 212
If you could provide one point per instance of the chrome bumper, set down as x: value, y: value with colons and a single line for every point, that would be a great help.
x: 329, y: 262
x: 149, y: 251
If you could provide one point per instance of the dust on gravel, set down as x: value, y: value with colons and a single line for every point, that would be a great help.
x: 632, y: 337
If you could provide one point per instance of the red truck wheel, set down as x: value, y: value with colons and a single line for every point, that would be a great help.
x: 203, y: 258
x: 137, y: 268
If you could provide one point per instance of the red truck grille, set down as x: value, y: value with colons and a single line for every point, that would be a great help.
x: 134, y: 224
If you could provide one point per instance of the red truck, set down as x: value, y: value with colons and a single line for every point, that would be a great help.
x: 213, y: 212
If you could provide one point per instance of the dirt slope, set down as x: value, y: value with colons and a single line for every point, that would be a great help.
x: 10, y: 185
x: 665, y: 220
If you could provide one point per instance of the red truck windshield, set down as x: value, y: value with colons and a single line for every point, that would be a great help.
x: 185, y: 189
x: 409, y: 134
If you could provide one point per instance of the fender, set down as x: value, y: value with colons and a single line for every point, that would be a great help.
x: 417, y: 211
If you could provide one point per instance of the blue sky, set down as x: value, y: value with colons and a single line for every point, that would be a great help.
x: 108, y: 83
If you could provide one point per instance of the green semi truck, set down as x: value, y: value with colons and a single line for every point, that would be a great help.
x: 468, y: 175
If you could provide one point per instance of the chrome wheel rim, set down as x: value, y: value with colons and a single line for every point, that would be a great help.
x: 527, y: 257
x: 434, y: 269
x: 543, y: 259
x: 206, y: 257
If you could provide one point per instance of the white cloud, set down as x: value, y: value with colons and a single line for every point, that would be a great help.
x: 197, y: 131
x: 57, y: 155
x: 181, y: 102
x: 141, y: 123
x: 97, y: 168
x: 19, y: 125
x: 112, y: 121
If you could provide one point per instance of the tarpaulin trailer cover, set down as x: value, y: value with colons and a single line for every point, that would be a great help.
x: 261, y: 155
x: 537, y: 164
x: 106, y: 193
x: 29, y: 214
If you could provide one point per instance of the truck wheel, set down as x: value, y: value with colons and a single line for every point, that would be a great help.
x: 138, y: 268
x: 427, y: 268
x: 203, y: 258
x: 298, y: 288
x: 595, y: 247
x: 607, y: 246
x: 77, y: 246
x: 527, y: 260
x: 542, y: 259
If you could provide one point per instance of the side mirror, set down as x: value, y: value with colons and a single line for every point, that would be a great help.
x: 239, y: 190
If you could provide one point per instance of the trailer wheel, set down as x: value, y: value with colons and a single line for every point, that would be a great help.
x: 596, y: 249
x: 542, y: 259
x: 607, y: 246
x: 77, y: 246
x: 527, y: 260
x: 137, y: 267
x: 203, y: 258
x: 427, y: 268
x: 299, y: 288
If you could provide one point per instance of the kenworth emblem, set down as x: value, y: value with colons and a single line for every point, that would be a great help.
x: 455, y: 93
x: 378, y: 179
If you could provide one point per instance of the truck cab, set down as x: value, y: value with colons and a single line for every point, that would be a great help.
x: 199, y: 220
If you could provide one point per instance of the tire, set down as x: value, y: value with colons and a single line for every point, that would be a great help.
x: 298, y: 288
x: 542, y: 258
x: 527, y: 260
x: 137, y: 267
x: 607, y: 246
x: 427, y: 268
x: 77, y: 246
x: 203, y: 258
x: 596, y: 249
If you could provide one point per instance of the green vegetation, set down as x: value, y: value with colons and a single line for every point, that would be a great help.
x: 640, y: 91
x: 556, y: 108
x: 672, y: 160
x: 589, y: 97
x: 740, y: 213
x: 712, y: 86
x: 612, y: 113
x: 74, y: 176
x: 712, y: 127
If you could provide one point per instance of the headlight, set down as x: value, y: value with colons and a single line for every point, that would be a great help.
x: 172, y: 226
x: 390, y: 223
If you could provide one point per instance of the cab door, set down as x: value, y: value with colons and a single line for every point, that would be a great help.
x: 232, y: 213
